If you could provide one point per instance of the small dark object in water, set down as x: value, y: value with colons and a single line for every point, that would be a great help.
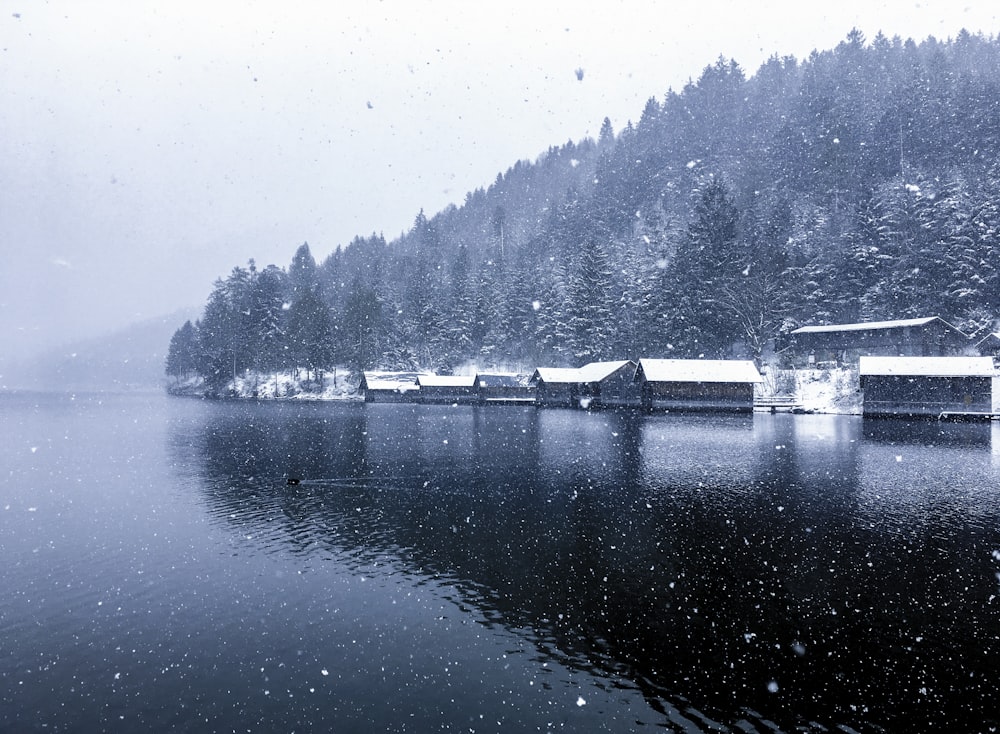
x: 293, y: 481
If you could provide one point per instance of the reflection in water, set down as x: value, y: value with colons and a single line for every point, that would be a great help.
x: 794, y: 569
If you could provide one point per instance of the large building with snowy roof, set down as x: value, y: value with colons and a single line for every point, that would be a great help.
x: 846, y: 343
x: 697, y: 384
x: 927, y: 386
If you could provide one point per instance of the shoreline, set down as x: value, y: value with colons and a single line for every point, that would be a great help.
x: 833, y: 391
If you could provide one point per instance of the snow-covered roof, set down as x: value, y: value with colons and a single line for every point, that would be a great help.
x: 391, y: 380
x: 590, y: 372
x: 993, y: 336
x: 597, y: 371
x: 699, y: 370
x: 446, y: 380
x: 869, y: 325
x: 927, y: 366
x: 501, y: 379
x: 557, y: 374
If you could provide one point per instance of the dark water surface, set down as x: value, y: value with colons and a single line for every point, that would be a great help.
x: 482, y: 569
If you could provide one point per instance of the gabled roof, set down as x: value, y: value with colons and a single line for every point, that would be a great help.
x: 871, y: 325
x: 597, y: 371
x: 991, y: 337
x: 926, y: 366
x: 699, y: 370
x: 374, y: 380
x: 590, y: 372
x: 446, y: 380
x: 501, y: 379
x: 556, y: 374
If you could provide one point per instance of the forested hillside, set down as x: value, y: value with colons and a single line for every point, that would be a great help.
x: 861, y: 183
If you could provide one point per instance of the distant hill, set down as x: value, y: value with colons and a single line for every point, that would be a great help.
x: 131, y: 358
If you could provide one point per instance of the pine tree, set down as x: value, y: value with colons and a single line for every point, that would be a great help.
x: 705, y: 265
x: 310, y: 334
x: 591, y: 329
x: 302, y: 273
x: 265, y: 318
x: 365, y: 330
x: 458, y: 327
x: 183, y: 354
x: 220, y: 335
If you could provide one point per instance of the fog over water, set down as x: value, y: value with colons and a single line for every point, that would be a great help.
x: 147, y: 149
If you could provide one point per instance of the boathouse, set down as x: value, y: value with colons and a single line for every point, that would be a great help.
x: 608, y: 384
x: 697, y: 384
x: 496, y: 387
x: 927, y: 386
x: 556, y: 386
x: 460, y: 389
x: 594, y: 385
x: 389, y: 387
x: 845, y: 343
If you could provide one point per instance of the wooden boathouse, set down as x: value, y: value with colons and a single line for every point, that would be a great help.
x: 556, y: 386
x: 933, y: 387
x: 697, y: 384
x: 461, y: 389
x: 500, y: 387
x: 389, y: 387
x: 609, y: 384
x: 594, y: 385
x: 846, y: 343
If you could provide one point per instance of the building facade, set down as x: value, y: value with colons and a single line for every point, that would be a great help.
x: 932, y: 387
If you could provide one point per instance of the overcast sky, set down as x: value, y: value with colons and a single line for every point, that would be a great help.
x: 146, y: 148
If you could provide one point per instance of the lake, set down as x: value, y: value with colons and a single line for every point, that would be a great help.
x: 441, y: 568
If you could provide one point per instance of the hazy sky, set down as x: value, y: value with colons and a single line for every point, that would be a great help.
x: 146, y: 148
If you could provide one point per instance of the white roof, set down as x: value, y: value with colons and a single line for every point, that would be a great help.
x: 590, y: 372
x: 699, y: 370
x: 446, y: 380
x: 391, y: 380
x: 558, y: 374
x: 927, y: 366
x: 597, y: 371
x: 501, y: 379
x: 865, y: 326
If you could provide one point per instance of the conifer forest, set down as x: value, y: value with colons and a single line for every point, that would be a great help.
x: 861, y: 183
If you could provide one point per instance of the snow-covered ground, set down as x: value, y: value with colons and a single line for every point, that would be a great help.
x: 288, y: 385
x: 828, y: 390
x: 834, y: 391
x: 285, y: 385
x: 814, y: 390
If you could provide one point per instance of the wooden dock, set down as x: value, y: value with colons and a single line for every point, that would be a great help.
x: 774, y: 403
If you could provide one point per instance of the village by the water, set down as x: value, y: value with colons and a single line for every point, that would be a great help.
x: 922, y: 367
